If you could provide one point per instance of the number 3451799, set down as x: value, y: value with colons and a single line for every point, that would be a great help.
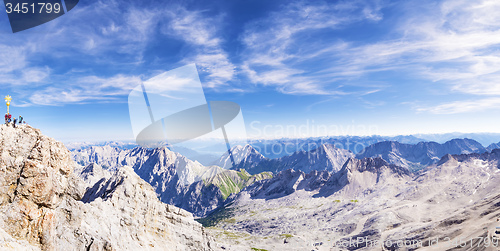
x: 33, y: 8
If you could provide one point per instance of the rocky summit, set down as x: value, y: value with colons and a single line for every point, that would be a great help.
x: 41, y: 205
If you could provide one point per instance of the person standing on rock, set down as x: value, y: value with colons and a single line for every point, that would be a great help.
x: 7, y: 119
x: 20, y: 119
x: 14, y: 124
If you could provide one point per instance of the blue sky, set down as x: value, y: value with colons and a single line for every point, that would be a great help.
x: 356, y: 67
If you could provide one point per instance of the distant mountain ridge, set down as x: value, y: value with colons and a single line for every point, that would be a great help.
x: 419, y: 155
x: 484, y: 138
x: 325, y: 157
x: 84, y: 145
x: 276, y: 148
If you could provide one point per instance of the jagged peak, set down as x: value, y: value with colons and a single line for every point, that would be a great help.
x: 290, y: 172
x: 123, y: 177
x: 325, y: 147
x: 366, y: 163
x: 91, y: 168
x: 247, y: 148
x: 460, y: 140
x: 446, y: 158
x: 372, y: 165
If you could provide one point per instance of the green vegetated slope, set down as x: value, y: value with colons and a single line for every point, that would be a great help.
x: 231, y: 181
x: 224, y: 213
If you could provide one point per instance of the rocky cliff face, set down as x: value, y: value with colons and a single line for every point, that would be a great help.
x: 128, y: 203
x: 363, y: 175
x: 36, y: 176
x: 40, y: 207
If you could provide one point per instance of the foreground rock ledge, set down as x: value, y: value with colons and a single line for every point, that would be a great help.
x: 41, y: 206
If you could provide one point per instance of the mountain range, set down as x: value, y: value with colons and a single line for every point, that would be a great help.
x: 275, y: 148
x: 202, y: 189
x: 176, y: 179
x: 379, y: 205
x: 417, y: 156
x: 485, y: 139
x: 324, y: 157
x: 330, y: 158
x: 314, y: 199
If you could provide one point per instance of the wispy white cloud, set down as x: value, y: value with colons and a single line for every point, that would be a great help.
x: 464, y: 106
x: 15, y: 69
x: 286, y: 50
x: 86, y: 89
x: 453, y: 43
x: 115, y: 36
x: 12, y: 58
x: 110, y: 27
x: 193, y: 27
x: 35, y: 74
x: 203, y: 33
x: 457, y: 44
x: 218, y: 67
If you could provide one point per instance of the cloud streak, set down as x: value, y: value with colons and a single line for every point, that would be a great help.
x: 454, y: 45
x: 85, y: 90
x: 291, y: 53
x: 115, y: 37
x: 466, y: 106
x: 202, y: 33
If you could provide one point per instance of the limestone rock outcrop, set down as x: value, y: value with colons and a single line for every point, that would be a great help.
x: 41, y: 206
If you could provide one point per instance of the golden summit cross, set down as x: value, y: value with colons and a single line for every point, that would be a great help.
x: 7, y: 100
